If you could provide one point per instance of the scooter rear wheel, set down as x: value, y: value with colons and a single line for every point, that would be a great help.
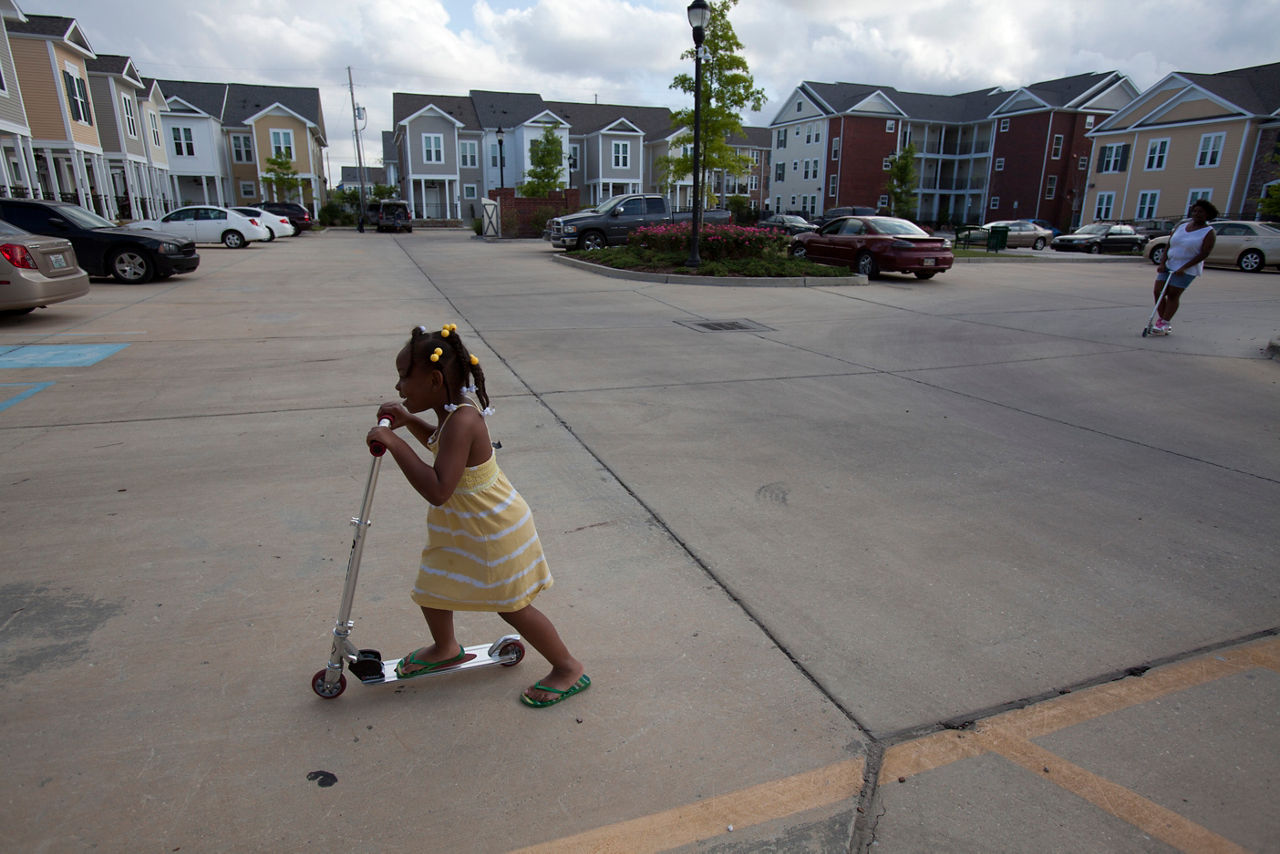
x: 512, y: 648
x: 327, y: 692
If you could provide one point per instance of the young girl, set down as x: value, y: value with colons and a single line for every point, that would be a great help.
x: 1188, y: 247
x: 482, y: 551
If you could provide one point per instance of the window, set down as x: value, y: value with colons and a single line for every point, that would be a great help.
x: 1157, y: 150
x: 1084, y: 164
x: 1004, y: 125
x: 282, y: 143
x: 622, y: 155
x: 817, y: 133
x: 995, y: 202
x: 130, y: 121
x: 241, y: 148
x: 754, y: 183
x: 155, y: 128
x: 1114, y: 158
x: 468, y: 191
x: 782, y: 137
x: 1196, y: 195
x: 1210, y: 150
x: 432, y: 148
x: 793, y: 202
x: 77, y: 95
x: 1088, y: 121
x: 882, y: 202
x: 1056, y: 152
x: 890, y: 126
x: 248, y: 190
x: 779, y: 171
x: 182, y: 142
x: 806, y: 170
x: 835, y: 148
x: 799, y: 106
x: 573, y: 157
x: 795, y: 165
x: 468, y: 154
x: 1102, y: 208
x: 1148, y: 201
x: 886, y: 164
x: 493, y: 155
x: 999, y: 164
x: 1050, y: 186
x: 831, y: 187
x: 808, y: 134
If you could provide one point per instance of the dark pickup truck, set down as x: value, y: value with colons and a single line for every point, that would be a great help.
x: 615, y: 218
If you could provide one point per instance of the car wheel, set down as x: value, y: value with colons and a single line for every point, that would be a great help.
x: 797, y: 251
x: 1039, y: 244
x: 926, y: 275
x: 1251, y: 261
x: 1157, y: 255
x: 271, y: 235
x: 233, y: 240
x: 866, y: 265
x: 592, y: 240
x: 131, y: 266
x: 1095, y: 249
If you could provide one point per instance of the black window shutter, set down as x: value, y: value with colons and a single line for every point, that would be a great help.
x: 73, y: 105
x: 1124, y: 157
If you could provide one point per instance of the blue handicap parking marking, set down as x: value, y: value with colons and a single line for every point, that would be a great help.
x: 11, y: 393
x: 58, y: 355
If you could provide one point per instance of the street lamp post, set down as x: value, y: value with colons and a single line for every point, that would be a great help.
x: 699, y: 17
x: 502, y: 163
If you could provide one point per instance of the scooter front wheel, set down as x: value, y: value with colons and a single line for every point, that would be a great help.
x: 327, y: 691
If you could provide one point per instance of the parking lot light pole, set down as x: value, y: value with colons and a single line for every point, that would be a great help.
x: 502, y: 163
x: 699, y: 17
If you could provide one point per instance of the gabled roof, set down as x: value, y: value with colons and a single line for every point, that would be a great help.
x: 388, y: 146
x: 1254, y: 90
x: 753, y: 137
x: 121, y: 66
x: 372, y: 174
x: 234, y: 103
x: 583, y: 119
x: 66, y: 30
x: 205, y: 97
x: 458, y: 107
x: 505, y: 109
x: 1242, y: 92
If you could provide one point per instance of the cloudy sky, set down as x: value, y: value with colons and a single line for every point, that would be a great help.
x: 628, y: 51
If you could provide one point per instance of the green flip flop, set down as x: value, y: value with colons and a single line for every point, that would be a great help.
x: 426, y: 666
x: 581, y: 685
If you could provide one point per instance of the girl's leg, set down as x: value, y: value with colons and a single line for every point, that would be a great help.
x: 534, y: 627
x: 1170, y: 306
x: 446, y: 646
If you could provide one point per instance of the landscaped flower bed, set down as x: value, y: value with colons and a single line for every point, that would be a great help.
x: 715, y: 242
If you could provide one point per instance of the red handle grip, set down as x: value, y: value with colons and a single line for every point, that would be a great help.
x: 377, y: 448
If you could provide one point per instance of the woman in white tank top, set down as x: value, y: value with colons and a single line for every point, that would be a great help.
x: 1190, y: 243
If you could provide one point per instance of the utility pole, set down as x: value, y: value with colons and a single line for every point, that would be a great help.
x: 355, y: 130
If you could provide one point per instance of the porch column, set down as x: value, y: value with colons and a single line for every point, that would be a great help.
x: 204, y: 188
x: 4, y: 172
x: 217, y: 185
x: 80, y: 173
x: 24, y: 169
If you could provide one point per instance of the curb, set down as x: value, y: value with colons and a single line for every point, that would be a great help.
x: 731, y: 281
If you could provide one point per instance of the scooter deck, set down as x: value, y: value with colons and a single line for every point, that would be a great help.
x: 474, y: 657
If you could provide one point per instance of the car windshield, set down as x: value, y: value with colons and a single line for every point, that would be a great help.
x: 898, y: 226
x: 609, y: 204
x: 1096, y: 228
x: 796, y: 220
x: 83, y: 218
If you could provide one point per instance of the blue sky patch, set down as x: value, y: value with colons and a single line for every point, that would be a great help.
x: 11, y: 393
x: 58, y: 355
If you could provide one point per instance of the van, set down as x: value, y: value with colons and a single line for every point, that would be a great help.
x: 392, y: 215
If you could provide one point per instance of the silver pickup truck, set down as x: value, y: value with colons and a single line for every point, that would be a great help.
x: 615, y: 218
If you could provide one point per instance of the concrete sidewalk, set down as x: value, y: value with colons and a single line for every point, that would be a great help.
x: 958, y: 565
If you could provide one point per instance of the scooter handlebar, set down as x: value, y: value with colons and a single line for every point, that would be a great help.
x: 377, y: 448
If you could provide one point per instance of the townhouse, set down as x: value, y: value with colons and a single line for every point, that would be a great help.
x: 980, y: 156
x: 17, y: 154
x: 1190, y: 136
x: 221, y: 135
x: 128, y: 111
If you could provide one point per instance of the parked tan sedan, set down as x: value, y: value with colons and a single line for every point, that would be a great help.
x: 36, y: 271
x: 1024, y: 233
x: 1251, y: 246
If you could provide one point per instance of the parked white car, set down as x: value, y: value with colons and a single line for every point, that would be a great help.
x: 208, y: 224
x: 277, y: 224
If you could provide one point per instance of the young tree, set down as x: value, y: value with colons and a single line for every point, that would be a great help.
x: 1269, y: 204
x: 281, y: 177
x: 546, y: 164
x: 903, y: 183
x: 727, y: 89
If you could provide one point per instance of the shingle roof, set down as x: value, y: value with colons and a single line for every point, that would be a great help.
x: 405, y: 104
x: 108, y: 63
x: 1256, y: 89
x: 506, y: 109
x: 232, y: 103
x: 207, y: 97
x: 372, y: 175
x: 589, y: 118
x: 42, y: 25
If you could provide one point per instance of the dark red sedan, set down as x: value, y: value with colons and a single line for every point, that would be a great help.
x: 874, y: 244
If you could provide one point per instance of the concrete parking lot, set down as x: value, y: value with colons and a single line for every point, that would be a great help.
x: 958, y: 565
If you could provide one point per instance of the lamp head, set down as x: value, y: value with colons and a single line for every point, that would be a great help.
x: 499, y: 133
x: 699, y: 17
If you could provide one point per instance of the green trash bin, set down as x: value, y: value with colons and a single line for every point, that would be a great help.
x: 997, y: 238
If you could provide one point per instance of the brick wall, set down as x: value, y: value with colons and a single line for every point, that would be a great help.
x: 523, y: 217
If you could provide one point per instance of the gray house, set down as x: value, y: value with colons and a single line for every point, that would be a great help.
x: 130, y: 141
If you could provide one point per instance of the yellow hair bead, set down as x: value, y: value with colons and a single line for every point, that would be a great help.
x: 474, y: 360
x: 435, y: 357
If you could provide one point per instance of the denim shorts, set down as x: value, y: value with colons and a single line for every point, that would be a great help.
x: 1176, y: 280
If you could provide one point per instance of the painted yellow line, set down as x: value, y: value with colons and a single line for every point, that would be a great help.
x: 712, y: 817
x: 1148, y: 816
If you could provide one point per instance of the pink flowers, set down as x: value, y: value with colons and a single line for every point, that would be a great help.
x: 715, y: 242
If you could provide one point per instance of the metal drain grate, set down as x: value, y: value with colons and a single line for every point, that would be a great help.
x: 742, y: 325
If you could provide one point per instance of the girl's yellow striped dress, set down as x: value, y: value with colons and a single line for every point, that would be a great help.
x: 483, y: 552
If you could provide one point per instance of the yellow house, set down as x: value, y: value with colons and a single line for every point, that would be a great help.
x: 269, y: 121
x: 49, y: 56
x: 1190, y: 136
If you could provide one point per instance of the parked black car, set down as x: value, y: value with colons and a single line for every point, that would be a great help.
x: 297, y: 214
x: 835, y: 213
x: 1101, y: 237
x: 787, y: 223
x: 103, y: 248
